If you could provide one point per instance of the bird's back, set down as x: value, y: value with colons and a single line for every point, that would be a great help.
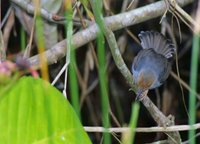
x: 154, y: 57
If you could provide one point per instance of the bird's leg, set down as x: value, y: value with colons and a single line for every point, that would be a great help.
x: 141, y: 95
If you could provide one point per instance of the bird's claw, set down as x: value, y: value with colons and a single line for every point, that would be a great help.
x: 140, y: 95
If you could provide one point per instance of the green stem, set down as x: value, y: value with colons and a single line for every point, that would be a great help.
x: 96, y: 6
x: 23, y: 39
x: 193, y: 85
x: 71, y: 57
x: 103, y: 86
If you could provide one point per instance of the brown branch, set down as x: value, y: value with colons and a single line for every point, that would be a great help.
x: 8, y: 27
x: 2, y: 48
x: 29, y: 8
x: 51, y: 17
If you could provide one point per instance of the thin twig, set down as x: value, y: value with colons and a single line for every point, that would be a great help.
x: 183, y: 14
x: 124, y: 5
x: 6, y: 17
x: 29, y: 46
x: 144, y: 130
x: 188, y: 141
x: 2, y: 48
x: 184, y: 84
x: 60, y: 73
x: 8, y: 27
x: 197, y: 20
x: 132, y: 36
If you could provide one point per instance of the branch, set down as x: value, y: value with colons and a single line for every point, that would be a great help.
x: 115, y: 22
x: 29, y: 8
x: 144, y: 130
x: 161, y: 119
x: 51, y: 17
x: 2, y: 48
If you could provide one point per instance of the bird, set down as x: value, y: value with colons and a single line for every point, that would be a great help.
x: 152, y: 65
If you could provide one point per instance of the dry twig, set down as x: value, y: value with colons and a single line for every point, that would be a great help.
x: 144, y: 130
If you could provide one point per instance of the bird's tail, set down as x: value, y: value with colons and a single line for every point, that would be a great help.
x: 155, y: 40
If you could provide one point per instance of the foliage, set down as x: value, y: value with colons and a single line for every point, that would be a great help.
x: 32, y: 111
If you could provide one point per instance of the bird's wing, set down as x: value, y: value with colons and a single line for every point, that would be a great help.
x: 166, y: 68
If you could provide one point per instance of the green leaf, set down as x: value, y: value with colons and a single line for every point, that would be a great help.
x: 33, y: 111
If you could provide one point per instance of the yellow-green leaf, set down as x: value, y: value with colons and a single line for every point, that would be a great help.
x: 33, y: 111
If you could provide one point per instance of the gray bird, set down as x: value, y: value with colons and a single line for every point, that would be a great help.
x: 152, y: 65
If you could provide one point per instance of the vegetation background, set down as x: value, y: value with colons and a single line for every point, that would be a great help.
x: 93, y: 83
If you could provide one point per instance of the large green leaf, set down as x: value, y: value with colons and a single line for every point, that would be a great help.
x: 33, y: 111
